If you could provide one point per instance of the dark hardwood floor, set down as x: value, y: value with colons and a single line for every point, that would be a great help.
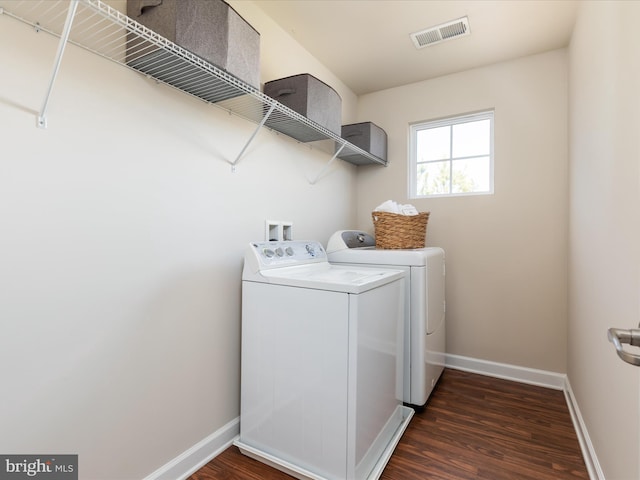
x: 474, y: 427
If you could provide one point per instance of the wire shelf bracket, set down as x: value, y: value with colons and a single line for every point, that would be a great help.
x: 253, y: 135
x: 42, y: 116
x: 326, y: 167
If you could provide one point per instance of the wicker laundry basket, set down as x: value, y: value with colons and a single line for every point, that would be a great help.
x: 394, y: 231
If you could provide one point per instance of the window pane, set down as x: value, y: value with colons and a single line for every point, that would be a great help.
x: 452, y: 156
x: 472, y: 139
x: 433, y: 144
x: 433, y: 178
x: 471, y: 175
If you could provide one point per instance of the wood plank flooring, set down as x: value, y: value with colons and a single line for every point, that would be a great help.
x: 474, y: 427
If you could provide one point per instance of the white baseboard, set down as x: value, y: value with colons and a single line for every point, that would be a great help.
x: 542, y: 378
x: 199, y: 455
x: 588, y: 452
x: 531, y: 376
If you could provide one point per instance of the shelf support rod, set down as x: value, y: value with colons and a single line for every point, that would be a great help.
x: 64, y: 37
x: 253, y: 135
x: 324, y: 169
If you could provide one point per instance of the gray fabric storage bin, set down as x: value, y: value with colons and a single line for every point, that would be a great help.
x: 210, y: 29
x: 368, y: 136
x: 310, y: 97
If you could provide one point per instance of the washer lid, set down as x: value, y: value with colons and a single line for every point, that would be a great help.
x: 324, y: 276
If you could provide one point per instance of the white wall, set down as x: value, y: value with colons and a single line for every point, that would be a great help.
x: 123, y: 232
x: 506, y: 253
x: 605, y: 227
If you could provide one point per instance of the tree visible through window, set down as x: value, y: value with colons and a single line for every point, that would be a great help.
x: 452, y: 156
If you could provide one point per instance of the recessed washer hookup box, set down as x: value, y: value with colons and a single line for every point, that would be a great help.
x: 366, y: 135
x: 210, y: 29
x: 309, y: 97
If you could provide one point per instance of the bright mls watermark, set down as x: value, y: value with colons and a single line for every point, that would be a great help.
x: 42, y: 467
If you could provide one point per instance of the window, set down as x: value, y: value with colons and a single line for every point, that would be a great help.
x: 453, y: 156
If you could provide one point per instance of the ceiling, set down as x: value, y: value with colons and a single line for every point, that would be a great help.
x: 366, y: 43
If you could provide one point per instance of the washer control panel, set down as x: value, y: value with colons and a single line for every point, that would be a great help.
x: 286, y: 253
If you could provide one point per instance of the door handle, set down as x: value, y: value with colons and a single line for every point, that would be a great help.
x: 618, y: 336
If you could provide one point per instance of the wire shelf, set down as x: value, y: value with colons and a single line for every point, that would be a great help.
x: 106, y: 32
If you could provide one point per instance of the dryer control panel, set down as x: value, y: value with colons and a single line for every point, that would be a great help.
x: 344, y: 239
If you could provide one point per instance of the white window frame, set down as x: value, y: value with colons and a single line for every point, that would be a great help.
x: 414, y: 128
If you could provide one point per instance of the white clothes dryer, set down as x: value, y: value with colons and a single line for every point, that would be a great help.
x: 424, y: 344
x: 321, y: 376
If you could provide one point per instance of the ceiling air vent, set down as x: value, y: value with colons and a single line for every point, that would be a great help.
x: 440, y: 33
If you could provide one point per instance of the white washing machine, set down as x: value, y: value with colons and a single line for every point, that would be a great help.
x: 321, y: 386
x: 424, y: 345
